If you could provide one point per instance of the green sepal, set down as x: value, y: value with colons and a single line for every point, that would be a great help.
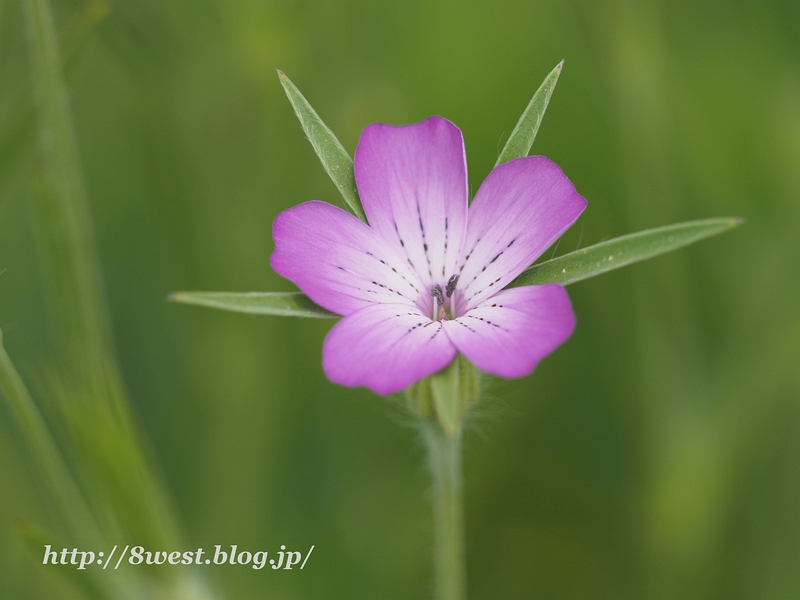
x: 335, y: 159
x: 281, y: 304
x: 420, y: 399
x: 446, y: 396
x: 621, y: 251
x: 521, y: 139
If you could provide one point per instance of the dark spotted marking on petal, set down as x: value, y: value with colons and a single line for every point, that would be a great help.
x: 386, y: 287
x: 485, y: 321
x: 414, y: 327
x: 467, y: 326
x: 424, y: 241
x: 397, y: 231
x: 383, y: 262
x: 446, y: 238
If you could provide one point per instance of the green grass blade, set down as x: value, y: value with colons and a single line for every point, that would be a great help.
x: 44, y: 450
x: 61, y: 216
x: 521, y: 139
x: 280, y: 304
x: 621, y: 251
x: 335, y: 159
x: 111, y: 466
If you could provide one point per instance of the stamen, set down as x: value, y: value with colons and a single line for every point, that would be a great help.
x: 451, y: 285
x: 436, y: 292
x: 439, y: 313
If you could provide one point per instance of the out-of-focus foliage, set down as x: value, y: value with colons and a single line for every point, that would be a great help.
x: 653, y: 456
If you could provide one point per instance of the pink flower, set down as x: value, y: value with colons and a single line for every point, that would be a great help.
x: 424, y: 280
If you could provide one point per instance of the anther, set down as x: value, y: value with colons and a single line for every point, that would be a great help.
x: 436, y: 292
x: 451, y: 285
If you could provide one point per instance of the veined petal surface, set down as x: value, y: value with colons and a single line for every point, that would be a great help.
x: 413, y: 185
x: 508, y: 334
x: 521, y: 208
x: 385, y: 347
x: 338, y: 261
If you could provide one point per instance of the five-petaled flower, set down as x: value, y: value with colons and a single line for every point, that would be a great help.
x: 424, y: 280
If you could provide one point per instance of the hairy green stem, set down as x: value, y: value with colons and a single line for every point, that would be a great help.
x: 444, y: 453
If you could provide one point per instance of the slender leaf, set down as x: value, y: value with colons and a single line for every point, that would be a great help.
x: 112, y: 467
x: 50, y: 462
x: 621, y: 251
x: 521, y: 139
x: 61, y: 218
x: 334, y: 157
x: 281, y: 304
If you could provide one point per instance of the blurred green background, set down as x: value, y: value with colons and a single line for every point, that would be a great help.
x: 653, y: 456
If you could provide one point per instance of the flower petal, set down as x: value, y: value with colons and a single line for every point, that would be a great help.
x: 338, y: 261
x: 385, y: 347
x: 509, y: 333
x: 413, y: 184
x: 521, y: 208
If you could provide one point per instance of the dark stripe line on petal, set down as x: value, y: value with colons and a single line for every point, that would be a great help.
x: 402, y: 243
x: 424, y: 241
x: 487, y: 322
x: 467, y: 326
x: 466, y: 258
x: 394, y: 270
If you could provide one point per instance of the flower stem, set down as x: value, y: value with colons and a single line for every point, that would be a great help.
x: 444, y: 451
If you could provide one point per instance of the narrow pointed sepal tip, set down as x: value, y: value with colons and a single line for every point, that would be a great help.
x: 560, y: 66
x: 736, y: 221
x: 281, y: 74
